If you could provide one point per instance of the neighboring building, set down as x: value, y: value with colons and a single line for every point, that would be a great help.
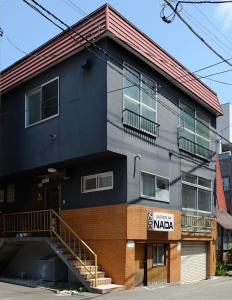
x: 224, y: 127
x: 224, y: 239
x: 123, y: 152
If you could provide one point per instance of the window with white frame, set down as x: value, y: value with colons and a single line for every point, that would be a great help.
x: 139, y: 101
x: 196, y: 193
x: 158, y: 257
x: 155, y: 187
x: 194, y: 134
x: 97, y: 182
x: 226, y: 183
x: 42, y: 102
x: 10, y: 193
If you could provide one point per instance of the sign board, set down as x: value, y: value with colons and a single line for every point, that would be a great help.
x: 160, y: 221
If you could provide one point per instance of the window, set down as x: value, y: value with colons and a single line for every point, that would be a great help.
x: 42, y: 103
x: 139, y: 103
x: 226, y: 183
x: 2, y: 196
x: 97, y: 182
x: 10, y: 193
x: 194, y: 136
x: 196, y: 193
x: 155, y: 187
x: 158, y: 254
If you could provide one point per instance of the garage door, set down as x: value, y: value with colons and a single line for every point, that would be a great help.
x: 193, y: 262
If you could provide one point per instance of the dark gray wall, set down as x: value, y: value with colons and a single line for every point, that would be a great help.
x: 155, y: 153
x: 80, y: 127
x: 226, y: 170
x: 71, y: 196
x: 27, y: 260
x: 83, y: 126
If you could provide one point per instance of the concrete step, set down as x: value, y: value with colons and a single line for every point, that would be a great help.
x: 83, y: 269
x: 100, y: 281
x: 76, y: 263
x: 107, y: 288
x: 88, y: 276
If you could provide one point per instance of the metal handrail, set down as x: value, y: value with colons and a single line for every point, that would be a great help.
x: 62, y: 237
x: 50, y: 222
x: 198, y: 222
x: 195, y: 146
x: 135, y: 121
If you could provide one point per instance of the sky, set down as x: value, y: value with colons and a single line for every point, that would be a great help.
x: 26, y: 30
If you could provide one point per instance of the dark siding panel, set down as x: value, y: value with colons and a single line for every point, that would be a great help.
x: 80, y: 128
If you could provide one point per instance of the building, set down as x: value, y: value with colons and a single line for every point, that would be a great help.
x: 117, y: 150
x: 224, y: 124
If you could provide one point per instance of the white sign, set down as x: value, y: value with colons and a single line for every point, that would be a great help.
x: 160, y: 221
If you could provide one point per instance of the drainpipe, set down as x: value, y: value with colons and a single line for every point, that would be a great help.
x: 139, y: 156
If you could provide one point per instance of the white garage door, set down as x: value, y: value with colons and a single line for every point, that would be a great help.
x: 193, y: 262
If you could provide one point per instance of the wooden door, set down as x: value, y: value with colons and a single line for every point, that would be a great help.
x: 52, y: 194
x: 46, y: 196
x: 39, y: 202
x: 156, y: 274
x: 140, y: 265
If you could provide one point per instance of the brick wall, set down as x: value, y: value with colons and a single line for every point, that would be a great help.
x: 106, y: 229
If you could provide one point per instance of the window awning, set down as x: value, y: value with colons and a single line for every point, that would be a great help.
x: 224, y: 219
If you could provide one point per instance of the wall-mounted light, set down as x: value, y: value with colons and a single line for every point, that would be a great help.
x: 52, y: 170
x: 86, y: 64
x: 52, y: 136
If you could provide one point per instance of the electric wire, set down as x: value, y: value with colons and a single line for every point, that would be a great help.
x: 212, y: 24
x: 194, y: 31
x: 211, y: 35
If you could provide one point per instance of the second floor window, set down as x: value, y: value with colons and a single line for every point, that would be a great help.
x: 196, y: 193
x: 226, y: 183
x: 42, y: 103
x: 139, y: 101
x: 155, y: 187
x: 194, y: 134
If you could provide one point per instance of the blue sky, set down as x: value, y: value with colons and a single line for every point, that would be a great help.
x: 28, y: 30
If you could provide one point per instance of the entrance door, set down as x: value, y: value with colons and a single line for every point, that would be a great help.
x: 46, y: 195
x: 157, y: 263
x: 52, y: 195
x: 140, y: 265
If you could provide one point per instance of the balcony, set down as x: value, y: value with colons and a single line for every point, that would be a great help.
x: 192, y: 223
x: 194, y: 148
x: 140, y: 123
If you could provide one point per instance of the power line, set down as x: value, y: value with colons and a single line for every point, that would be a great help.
x: 212, y: 24
x: 83, y: 13
x: 218, y: 81
x: 211, y: 35
x: 195, y: 33
x: 178, y: 3
x: 54, y: 56
x: 118, y: 63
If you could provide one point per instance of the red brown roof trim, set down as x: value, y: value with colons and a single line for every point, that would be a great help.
x: 93, y: 26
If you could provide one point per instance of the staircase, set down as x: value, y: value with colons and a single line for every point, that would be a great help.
x: 64, y: 241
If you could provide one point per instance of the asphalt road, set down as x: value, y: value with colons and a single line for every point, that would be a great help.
x: 215, y: 289
x: 219, y: 288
